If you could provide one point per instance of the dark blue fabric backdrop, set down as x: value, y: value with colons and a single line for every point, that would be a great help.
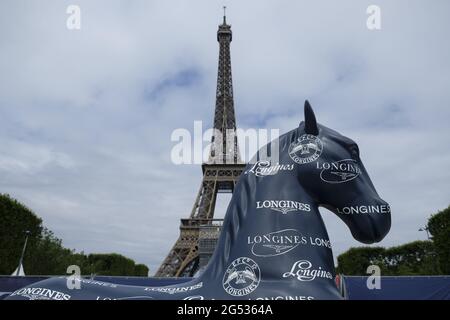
x: 400, y: 288
x: 392, y: 288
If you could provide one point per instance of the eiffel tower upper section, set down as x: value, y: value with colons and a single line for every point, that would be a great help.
x: 224, y: 148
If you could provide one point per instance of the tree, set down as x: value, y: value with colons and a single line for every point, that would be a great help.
x: 15, y: 220
x: 112, y: 264
x: 47, y: 256
x: 439, y: 227
x: 141, y: 270
x: 415, y: 258
x: 356, y: 260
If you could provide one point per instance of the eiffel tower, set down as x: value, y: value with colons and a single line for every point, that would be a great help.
x: 220, y: 173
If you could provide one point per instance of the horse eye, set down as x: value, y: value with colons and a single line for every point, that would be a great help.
x: 354, y: 151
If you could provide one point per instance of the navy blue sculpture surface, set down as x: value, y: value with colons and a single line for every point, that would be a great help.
x: 273, y: 243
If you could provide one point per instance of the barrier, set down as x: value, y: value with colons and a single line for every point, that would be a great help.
x: 399, y: 288
x: 352, y: 287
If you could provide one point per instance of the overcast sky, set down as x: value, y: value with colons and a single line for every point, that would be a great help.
x: 86, y: 115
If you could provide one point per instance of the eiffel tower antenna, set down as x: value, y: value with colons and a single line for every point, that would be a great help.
x: 220, y: 173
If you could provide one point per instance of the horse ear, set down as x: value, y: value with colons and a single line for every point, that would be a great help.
x: 310, y: 120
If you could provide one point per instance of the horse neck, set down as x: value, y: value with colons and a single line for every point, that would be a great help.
x: 240, y: 210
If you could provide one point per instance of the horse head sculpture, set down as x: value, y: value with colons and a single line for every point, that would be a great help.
x: 273, y: 243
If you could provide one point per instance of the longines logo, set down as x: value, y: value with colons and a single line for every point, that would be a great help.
x: 303, y: 270
x: 264, y: 168
x: 41, y: 294
x: 339, y: 171
x: 364, y: 209
x: 242, y: 277
x: 306, y: 149
x: 286, y: 298
x: 125, y: 298
x: 98, y: 283
x: 283, y: 206
x: 194, y: 298
x: 173, y: 290
x: 275, y: 243
x: 280, y: 242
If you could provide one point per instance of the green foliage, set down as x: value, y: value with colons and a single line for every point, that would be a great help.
x: 415, y: 258
x: 15, y: 220
x: 111, y: 264
x: 439, y: 227
x: 356, y: 260
x: 141, y: 270
x: 45, y: 254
